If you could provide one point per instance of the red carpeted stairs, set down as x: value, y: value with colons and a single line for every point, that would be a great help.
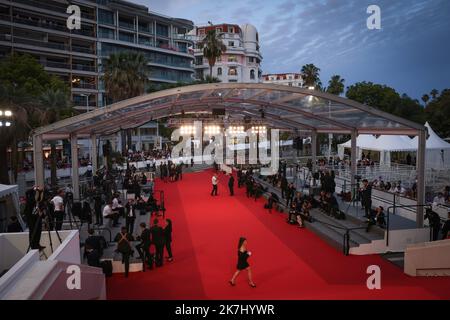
x: 287, y: 262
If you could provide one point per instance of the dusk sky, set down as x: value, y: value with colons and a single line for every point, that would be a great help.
x: 410, y: 53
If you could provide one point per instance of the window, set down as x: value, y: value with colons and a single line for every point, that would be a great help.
x: 232, y: 59
x: 219, y: 59
x: 198, y: 61
x: 231, y: 29
x: 231, y: 43
x: 105, y: 17
x: 232, y: 71
x: 218, y: 30
x: 105, y: 33
x: 290, y: 84
x: 252, y: 74
x: 127, y: 37
x: 219, y: 71
x: 201, y: 32
x: 232, y: 80
x: 162, y: 30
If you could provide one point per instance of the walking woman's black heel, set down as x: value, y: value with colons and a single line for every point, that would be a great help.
x: 252, y: 285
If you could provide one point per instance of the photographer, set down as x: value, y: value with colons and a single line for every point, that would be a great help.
x: 366, y: 197
x: 58, y: 213
x: 34, y: 212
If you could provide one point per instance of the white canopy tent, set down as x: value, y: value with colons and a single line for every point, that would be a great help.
x: 437, y: 155
x: 11, y: 192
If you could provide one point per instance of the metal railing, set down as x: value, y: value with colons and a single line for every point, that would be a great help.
x: 388, y: 213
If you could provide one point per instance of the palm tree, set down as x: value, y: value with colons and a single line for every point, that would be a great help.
x: 434, y: 93
x: 54, y: 101
x: 310, y: 75
x: 425, y: 98
x: 126, y: 75
x: 213, y: 48
x: 336, y: 85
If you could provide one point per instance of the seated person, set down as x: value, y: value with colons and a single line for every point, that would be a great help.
x: 380, y: 217
x: 14, y: 226
x: 323, y: 203
x: 332, y: 205
x: 292, y: 216
x: 108, y: 213
x: 304, y: 214
x: 273, y: 199
x: 92, y: 255
x: 95, y: 242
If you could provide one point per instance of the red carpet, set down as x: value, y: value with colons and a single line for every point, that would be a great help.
x: 287, y: 262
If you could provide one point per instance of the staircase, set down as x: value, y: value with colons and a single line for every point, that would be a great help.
x: 333, y: 231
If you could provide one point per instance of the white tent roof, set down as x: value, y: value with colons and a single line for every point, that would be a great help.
x: 6, y: 190
x: 397, y: 143
x: 433, y: 141
x: 362, y: 141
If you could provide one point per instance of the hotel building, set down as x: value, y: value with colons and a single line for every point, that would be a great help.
x: 286, y: 79
x: 39, y: 28
x: 242, y: 59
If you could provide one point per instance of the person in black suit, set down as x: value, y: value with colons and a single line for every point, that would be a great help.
x: 14, y: 226
x: 130, y: 211
x: 434, y: 221
x: 95, y: 242
x: 168, y: 239
x: 98, y: 207
x: 123, y: 239
x: 242, y: 264
x: 143, y: 248
x: 157, y: 238
x: 231, y: 184
x: 34, y: 212
x: 446, y: 228
x: 366, y: 197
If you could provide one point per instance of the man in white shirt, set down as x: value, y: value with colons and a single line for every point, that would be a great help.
x: 108, y: 212
x: 58, y: 203
x: 214, y: 181
x: 439, y: 199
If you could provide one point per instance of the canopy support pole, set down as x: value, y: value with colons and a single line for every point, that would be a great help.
x: 38, y: 161
x: 353, y: 160
x: 94, y: 151
x: 421, y: 178
x: 314, y: 150
x: 74, y: 160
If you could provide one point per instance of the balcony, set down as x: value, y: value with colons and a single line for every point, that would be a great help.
x: 83, y: 49
x: 57, y: 46
x: 126, y: 25
x: 146, y: 29
x: 83, y: 67
x: 90, y: 86
x: 53, y: 7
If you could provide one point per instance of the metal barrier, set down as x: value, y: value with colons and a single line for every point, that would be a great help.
x: 394, y: 207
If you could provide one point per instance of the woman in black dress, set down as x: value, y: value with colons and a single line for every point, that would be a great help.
x: 242, y: 264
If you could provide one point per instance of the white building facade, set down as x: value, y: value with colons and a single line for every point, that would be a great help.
x: 242, y: 60
x: 286, y: 79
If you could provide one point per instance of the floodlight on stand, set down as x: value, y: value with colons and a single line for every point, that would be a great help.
x: 8, y: 113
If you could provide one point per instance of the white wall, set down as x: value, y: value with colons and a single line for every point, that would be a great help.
x: 69, y: 250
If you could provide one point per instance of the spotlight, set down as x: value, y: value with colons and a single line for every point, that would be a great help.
x: 311, y: 88
x: 8, y: 113
x: 7, y: 124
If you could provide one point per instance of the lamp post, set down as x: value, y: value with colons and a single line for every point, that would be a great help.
x: 6, y: 123
x: 87, y: 95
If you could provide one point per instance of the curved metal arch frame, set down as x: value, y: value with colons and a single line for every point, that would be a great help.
x: 145, y: 101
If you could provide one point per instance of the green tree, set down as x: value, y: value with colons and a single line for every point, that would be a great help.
x: 336, y: 85
x: 213, y: 48
x: 437, y: 112
x: 386, y: 99
x: 434, y: 93
x: 425, y: 98
x: 126, y: 75
x: 26, y: 89
x: 310, y: 75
